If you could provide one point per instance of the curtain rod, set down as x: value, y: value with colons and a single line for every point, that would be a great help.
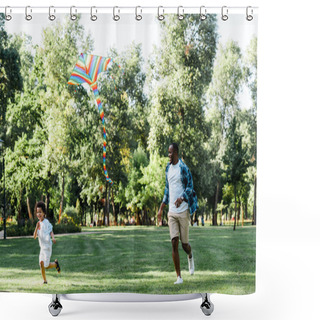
x: 169, y: 9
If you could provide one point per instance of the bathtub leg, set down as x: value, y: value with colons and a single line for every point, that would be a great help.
x: 206, y: 306
x: 55, y: 306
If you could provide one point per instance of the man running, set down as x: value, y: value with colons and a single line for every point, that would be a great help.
x: 182, y: 200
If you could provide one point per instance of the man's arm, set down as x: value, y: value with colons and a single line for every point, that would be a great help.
x: 160, y: 213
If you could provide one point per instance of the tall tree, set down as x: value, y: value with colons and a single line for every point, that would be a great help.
x: 10, y: 75
x: 250, y: 61
x: 60, y: 46
x: 236, y: 160
x: 223, y: 100
x: 181, y: 69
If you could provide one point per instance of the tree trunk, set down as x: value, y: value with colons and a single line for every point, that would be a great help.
x: 242, y: 214
x: 81, y: 212
x: 182, y: 132
x: 235, y: 207
x: 19, y: 208
x: 29, y: 209
x: 214, y: 215
x: 49, y: 216
x: 254, y: 217
x: 114, y: 208
x: 108, y: 207
x: 105, y: 204
x: 246, y: 210
x: 239, y: 209
x: 62, y: 198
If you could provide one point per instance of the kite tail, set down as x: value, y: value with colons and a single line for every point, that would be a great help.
x: 99, y: 104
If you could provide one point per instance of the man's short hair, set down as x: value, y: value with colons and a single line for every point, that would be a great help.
x: 175, y: 147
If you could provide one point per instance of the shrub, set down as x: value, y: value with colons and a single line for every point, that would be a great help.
x: 73, y: 213
x: 67, y: 225
x: 26, y: 230
x: 66, y: 228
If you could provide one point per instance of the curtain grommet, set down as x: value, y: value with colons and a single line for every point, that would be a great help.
x: 138, y: 16
x: 203, y: 15
x: 8, y: 17
x: 224, y: 13
x: 160, y: 16
x: 52, y: 17
x: 249, y: 17
x: 116, y: 17
x: 93, y: 17
x: 180, y: 13
x: 73, y: 15
x: 28, y: 16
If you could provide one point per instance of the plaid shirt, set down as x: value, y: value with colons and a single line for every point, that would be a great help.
x: 188, y: 194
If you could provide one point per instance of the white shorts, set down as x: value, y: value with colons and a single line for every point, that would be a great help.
x: 45, y: 256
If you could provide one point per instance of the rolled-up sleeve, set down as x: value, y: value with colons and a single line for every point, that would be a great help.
x: 166, y: 191
x: 188, y: 183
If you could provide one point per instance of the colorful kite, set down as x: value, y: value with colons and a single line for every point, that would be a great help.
x: 87, y: 70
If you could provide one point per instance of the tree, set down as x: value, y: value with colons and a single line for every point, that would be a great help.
x: 181, y: 70
x: 134, y: 188
x: 251, y: 81
x: 235, y: 160
x: 60, y: 46
x: 223, y: 103
x: 153, y: 183
x: 10, y: 75
x: 10, y: 81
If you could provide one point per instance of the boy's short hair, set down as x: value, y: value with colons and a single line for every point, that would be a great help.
x: 42, y: 205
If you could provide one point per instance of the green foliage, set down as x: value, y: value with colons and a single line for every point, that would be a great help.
x: 26, y: 230
x: 236, y: 157
x: 187, y: 92
x: 71, y: 214
x: 134, y: 188
x: 66, y: 228
x: 182, y: 70
x: 153, y: 183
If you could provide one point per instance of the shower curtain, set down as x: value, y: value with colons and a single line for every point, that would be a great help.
x: 92, y: 101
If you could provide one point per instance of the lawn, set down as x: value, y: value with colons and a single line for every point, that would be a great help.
x: 133, y: 259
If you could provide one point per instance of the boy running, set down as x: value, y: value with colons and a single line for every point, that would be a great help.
x: 43, y: 231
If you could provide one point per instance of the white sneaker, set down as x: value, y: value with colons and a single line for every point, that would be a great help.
x: 179, y: 280
x: 191, y: 265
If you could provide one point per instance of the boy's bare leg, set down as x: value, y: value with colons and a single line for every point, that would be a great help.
x: 51, y: 265
x: 43, y: 271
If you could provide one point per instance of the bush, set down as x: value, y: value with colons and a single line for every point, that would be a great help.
x: 67, y: 225
x: 66, y: 228
x: 73, y: 213
x: 26, y: 230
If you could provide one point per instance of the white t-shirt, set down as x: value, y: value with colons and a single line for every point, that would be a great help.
x: 44, y: 234
x: 175, y: 189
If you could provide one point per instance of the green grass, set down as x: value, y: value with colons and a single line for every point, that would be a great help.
x: 133, y: 259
